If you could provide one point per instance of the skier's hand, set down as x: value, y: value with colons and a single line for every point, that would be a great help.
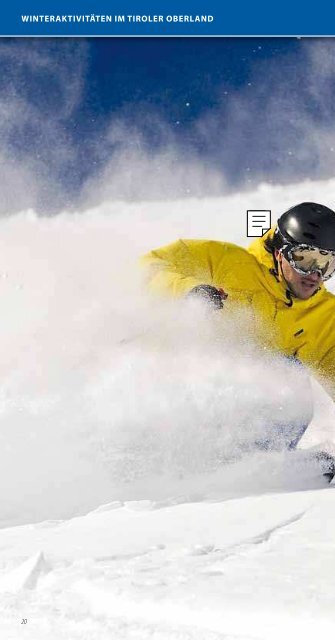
x: 211, y: 295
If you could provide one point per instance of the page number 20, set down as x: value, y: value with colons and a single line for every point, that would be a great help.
x: 24, y: 621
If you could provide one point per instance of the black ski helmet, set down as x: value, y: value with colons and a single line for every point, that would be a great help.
x: 308, y: 223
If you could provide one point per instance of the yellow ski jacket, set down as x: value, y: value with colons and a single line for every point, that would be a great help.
x: 304, y: 329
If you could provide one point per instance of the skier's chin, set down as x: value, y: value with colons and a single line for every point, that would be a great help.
x: 304, y: 289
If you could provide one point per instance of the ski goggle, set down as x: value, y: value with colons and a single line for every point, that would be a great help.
x: 306, y: 260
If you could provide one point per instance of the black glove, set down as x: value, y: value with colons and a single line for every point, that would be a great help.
x: 213, y: 296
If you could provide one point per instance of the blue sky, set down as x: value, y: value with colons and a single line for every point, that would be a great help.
x: 251, y: 109
x: 168, y: 72
x: 175, y: 81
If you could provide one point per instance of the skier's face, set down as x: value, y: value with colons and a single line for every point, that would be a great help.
x: 301, y: 286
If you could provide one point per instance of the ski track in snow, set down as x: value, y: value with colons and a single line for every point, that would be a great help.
x: 265, y: 536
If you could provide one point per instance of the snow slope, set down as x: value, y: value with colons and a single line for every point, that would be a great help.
x: 119, y: 518
x: 256, y: 567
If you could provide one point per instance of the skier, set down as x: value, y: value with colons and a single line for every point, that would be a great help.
x: 280, y: 277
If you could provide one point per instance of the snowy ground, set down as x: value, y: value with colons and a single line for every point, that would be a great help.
x: 119, y: 519
x: 251, y: 567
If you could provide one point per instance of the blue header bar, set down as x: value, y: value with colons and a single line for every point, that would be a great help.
x: 166, y: 18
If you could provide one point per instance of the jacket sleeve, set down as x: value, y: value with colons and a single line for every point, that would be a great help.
x: 176, y: 268
x: 325, y: 372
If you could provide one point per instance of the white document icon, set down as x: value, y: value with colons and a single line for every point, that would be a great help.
x: 258, y: 222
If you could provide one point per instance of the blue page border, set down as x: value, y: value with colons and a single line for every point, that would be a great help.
x: 166, y: 18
